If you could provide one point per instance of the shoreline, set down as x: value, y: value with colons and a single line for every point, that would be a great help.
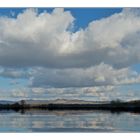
x: 113, y: 106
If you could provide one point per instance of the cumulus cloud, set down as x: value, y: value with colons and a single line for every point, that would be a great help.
x: 99, y: 75
x: 33, y: 39
x: 46, y: 40
x: 14, y: 73
x: 44, y: 49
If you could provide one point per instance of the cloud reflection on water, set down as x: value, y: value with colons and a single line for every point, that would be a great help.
x: 68, y: 121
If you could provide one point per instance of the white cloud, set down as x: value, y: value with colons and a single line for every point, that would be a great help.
x: 44, y: 49
x: 38, y: 90
x: 99, y: 75
x: 46, y: 40
x: 102, y: 93
x: 20, y: 93
x: 33, y: 39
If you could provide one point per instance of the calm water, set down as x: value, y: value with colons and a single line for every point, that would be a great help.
x: 68, y: 121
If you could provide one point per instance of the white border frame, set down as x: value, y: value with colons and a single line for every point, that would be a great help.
x: 69, y: 3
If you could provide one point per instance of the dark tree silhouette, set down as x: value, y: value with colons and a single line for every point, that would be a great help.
x: 23, y: 103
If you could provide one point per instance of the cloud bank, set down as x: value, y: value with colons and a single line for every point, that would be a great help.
x: 47, y: 40
x: 44, y: 49
x: 101, y: 75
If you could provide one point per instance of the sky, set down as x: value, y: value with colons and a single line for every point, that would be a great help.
x: 72, y: 53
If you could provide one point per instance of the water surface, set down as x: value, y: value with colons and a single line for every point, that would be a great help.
x: 68, y: 121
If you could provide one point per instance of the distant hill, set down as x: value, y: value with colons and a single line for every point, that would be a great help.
x: 61, y: 101
x: 6, y: 102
